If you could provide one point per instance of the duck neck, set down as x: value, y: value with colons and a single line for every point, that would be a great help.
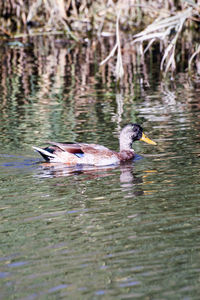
x: 125, y: 145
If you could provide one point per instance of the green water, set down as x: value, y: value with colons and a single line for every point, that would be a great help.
x: 127, y: 232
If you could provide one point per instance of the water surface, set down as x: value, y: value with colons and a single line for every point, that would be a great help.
x: 123, y: 232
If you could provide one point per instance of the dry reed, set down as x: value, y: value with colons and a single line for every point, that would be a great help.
x: 80, y: 20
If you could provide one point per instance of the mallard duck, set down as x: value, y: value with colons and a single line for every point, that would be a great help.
x: 94, y: 154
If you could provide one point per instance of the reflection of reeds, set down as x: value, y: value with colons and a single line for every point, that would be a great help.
x: 56, y: 84
x: 51, y: 89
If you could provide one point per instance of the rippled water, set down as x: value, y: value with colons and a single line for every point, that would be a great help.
x: 125, y: 232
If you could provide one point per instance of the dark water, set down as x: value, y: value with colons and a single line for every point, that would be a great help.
x: 127, y: 232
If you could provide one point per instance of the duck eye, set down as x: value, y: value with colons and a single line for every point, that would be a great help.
x: 135, y: 129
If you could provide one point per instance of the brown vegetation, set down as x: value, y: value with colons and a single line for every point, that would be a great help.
x: 171, y: 27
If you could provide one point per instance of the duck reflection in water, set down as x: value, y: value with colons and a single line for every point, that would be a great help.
x: 124, y: 174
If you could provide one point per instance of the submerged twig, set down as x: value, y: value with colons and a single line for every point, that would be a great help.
x: 119, y: 70
x: 192, y: 57
x: 119, y: 66
x: 110, y: 55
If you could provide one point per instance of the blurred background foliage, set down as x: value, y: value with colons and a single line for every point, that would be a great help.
x: 168, y: 28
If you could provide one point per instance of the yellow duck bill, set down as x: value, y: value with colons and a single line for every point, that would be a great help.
x: 145, y: 139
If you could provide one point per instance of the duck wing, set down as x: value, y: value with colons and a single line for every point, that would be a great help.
x: 68, y: 147
x: 82, y: 148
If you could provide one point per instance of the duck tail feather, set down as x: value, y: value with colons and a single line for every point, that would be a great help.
x: 45, y: 154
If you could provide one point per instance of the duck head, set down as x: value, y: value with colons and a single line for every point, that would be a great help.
x: 131, y: 133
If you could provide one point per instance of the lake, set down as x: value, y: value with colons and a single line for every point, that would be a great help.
x: 116, y: 232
